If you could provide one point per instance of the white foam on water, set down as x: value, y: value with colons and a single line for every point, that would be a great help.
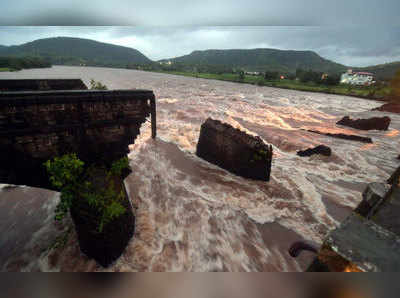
x: 194, y: 216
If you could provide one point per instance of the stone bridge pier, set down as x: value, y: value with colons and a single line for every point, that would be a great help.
x: 38, y: 125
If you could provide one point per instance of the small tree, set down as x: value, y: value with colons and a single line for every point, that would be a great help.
x: 97, y: 85
x: 67, y: 174
x: 241, y: 75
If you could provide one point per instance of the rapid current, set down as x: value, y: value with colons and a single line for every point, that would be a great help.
x: 194, y: 216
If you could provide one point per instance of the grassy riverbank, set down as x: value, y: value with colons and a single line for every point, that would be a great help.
x: 5, y: 69
x: 368, y: 92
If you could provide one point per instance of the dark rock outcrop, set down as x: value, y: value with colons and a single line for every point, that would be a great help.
x: 234, y: 150
x: 321, y: 149
x: 372, y: 195
x: 378, y: 123
x: 104, y: 246
x: 394, y: 179
x: 344, y: 136
x: 398, y: 157
x: 392, y: 107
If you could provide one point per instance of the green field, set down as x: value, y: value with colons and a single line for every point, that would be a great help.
x: 5, y: 69
x: 370, y: 92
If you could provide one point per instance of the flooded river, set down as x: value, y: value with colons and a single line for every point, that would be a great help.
x: 194, y: 216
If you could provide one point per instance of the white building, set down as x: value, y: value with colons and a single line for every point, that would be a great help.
x: 357, y: 78
x: 252, y: 73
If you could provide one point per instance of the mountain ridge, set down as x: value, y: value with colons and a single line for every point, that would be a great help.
x: 80, y: 51
x: 76, y: 51
x: 261, y: 59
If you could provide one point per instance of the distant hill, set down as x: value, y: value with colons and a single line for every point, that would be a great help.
x: 262, y: 60
x: 76, y: 51
x: 382, y: 71
x: 18, y: 63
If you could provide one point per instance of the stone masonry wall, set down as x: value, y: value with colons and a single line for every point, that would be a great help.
x: 234, y: 150
x: 41, y: 84
x: 35, y: 126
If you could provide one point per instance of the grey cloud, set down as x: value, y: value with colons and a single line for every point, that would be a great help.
x: 200, y: 12
x: 349, y: 45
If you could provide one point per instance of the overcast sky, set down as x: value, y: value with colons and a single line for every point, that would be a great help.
x: 352, y: 32
x: 349, y: 45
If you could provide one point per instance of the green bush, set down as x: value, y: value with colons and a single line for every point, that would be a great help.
x: 65, y: 173
x: 96, y: 186
x: 118, y: 166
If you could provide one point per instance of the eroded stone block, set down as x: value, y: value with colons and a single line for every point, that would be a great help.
x: 234, y: 150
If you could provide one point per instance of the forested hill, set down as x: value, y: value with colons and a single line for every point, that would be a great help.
x: 18, y: 63
x: 262, y: 59
x: 76, y: 51
x: 382, y: 71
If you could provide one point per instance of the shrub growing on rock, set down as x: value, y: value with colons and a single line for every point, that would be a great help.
x: 97, y: 202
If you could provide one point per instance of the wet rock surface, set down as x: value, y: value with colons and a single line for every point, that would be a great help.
x: 344, y: 136
x: 394, y: 178
x: 387, y: 213
x: 321, y: 149
x: 234, y: 150
x: 368, y: 245
x: 392, y: 107
x: 377, y: 123
x: 372, y: 195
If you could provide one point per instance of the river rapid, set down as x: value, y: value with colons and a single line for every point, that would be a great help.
x: 194, y: 216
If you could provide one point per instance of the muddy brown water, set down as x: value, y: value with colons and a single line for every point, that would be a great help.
x: 194, y: 216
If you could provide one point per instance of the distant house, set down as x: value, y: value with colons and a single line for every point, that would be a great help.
x: 357, y: 78
x: 282, y: 77
x: 252, y: 73
x: 165, y: 62
x: 324, y: 76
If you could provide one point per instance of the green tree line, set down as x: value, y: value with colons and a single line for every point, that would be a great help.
x: 15, y: 63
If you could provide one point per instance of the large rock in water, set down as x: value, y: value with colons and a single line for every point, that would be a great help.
x: 321, y: 149
x: 234, y: 150
x: 378, y: 123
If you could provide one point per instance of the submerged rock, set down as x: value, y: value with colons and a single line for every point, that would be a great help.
x: 378, y: 123
x: 321, y: 149
x: 344, y: 136
x: 234, y: 150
